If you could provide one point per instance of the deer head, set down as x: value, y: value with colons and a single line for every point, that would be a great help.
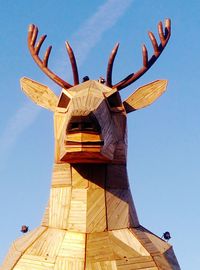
x: 90, y: 117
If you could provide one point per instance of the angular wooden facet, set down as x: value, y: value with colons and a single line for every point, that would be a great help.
x: 145, y: 95
x: 90, y: 222
x: 39, y: 93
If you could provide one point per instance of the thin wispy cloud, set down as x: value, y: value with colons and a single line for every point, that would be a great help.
x: 84, y: 39
x: 91, y: 32
x: 22, y: 119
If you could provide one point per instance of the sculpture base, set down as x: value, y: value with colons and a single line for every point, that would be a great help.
x: 125, y: 249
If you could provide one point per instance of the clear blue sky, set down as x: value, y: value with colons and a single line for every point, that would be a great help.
x: 164, y: 139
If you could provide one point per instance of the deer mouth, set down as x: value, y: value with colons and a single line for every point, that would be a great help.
x: 83, y: 140
x: 85, y: 144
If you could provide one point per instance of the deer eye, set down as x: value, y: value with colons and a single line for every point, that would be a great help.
x: 83, y: 124
x: 74, y: 126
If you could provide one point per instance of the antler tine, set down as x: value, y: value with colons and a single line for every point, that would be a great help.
x: 73, y: 63
x: 34, y: 32
x: 164, y: 37
x: 161, y: 33
x: 154, y: 43
x: 46, y: 56
x: 145, y: 55
x: 110, y: 65
x: 43, y: 64
x: 39, y: 44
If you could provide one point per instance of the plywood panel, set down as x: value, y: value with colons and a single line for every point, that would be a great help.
x: 79, y: 176
x: 68, y: 264
x: 26, y: 240
x: 96, y: 210
x: 11, y: 258
x: 145, y: 95
x: 59, y: 207
x: 20, y: 245
x: 59, y: 124
x: 120, y: 209
x: 48, y: 244
x: 120, y: 154
x: 30, y: 262
x: 142, y: 263
x: 45, y: 219
x: 117, y: 176
x: 90, y: 175
x: 61, y: 176
x: 127, y: 238
x: 73, y: 246
x: 78, y: 208
x: 39, y: 93
x: 104, y: 265
x: 99, y: 247
x: 151, y: 242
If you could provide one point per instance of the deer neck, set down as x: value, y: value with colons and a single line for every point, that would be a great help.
x: 90, y: 198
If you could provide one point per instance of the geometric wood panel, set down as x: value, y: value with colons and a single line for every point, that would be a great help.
x: 78, y: 210
x: 59, y: 205
x: 20, y: 245
x: 96, y: 210
x: 61, y: 176
x: 120, y: 210
x: 48, y: 245
x: 73, y: 246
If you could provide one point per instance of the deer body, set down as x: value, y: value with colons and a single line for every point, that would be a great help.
x: 90, y: 221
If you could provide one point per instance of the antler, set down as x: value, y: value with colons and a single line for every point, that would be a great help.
x: 147, y: 63
x: 43, y: 63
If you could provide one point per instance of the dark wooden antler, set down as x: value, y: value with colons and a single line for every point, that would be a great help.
x: 43, y: 63
x: 147, y: 63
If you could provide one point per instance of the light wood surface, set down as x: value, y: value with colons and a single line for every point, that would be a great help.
x: 145, y: 95
x: 90, y: 222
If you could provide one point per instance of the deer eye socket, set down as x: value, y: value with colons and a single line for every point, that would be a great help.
x: 74, y: 126
x: 83, y: 124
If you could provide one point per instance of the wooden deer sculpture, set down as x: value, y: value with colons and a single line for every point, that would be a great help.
x: 91, y: 222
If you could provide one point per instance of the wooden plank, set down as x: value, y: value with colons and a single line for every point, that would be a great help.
x: 162, y: 263
x: 20, y: 245
x: 78, y: 210
x: 120, y: 154
x: 120, y: 122
x: 171, y: 258
x: 129, y: 242
x: 151, y: 242
x: 99, y: 248
x: 45, y: 219
x: 59, y: 123
x: 11, y: 258
x: 105, y: 265
x: 61, y: 175
x: 120, y: 209
x: 102, y: 87
x: 96, y: 210
x: 48, y: 245
x: 134, y: 264
x: 116, y: 176
x: 73, y: 246
x: 91, y: 175
x: 59, y: 207
x: 145, y: 95
x: 30, y: 262
x: 39, y: 93
x: 68, y: 264
x: 79, y: 176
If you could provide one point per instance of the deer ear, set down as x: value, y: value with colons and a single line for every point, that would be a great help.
x: 145, y: 95
x: 39, y: 93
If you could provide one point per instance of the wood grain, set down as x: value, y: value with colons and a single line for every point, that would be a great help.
x: 145, y: 95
